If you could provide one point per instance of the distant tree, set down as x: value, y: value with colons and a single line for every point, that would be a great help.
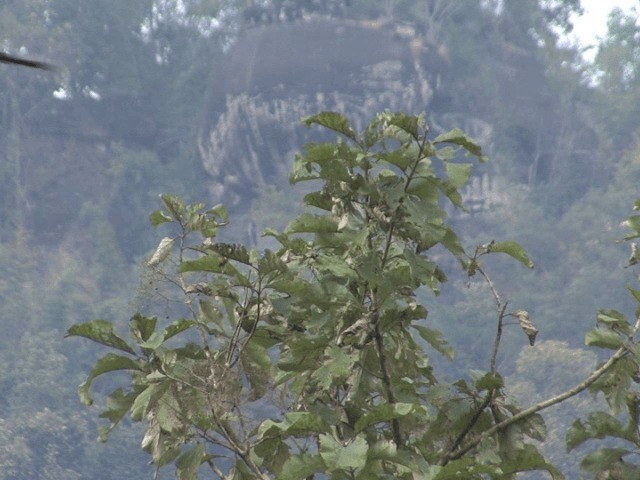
x: 542, y: 371
x: 315, y: 358
x: 616, y: 75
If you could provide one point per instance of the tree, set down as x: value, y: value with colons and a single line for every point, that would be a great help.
x: 615, y: 71
x: 540, y: 372
x: 316, y: 357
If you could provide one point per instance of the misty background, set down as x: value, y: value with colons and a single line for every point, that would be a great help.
x: 203, y: 99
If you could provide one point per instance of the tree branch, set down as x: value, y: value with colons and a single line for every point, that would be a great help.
x: 386, y: 382
x: 496, y: 344
x: 590, y: 380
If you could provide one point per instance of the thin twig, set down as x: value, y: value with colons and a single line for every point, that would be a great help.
x: 238, y: 448
x: 471, y: 424
x: 255, y: 323
x: 496, y: 296
x: 496, y: 343
x: 189, y: 302
x: 386, y: 382
x: 233, y: 342
x: 215, y: 468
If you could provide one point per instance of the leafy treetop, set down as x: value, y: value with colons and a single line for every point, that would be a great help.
x: 314, y: 358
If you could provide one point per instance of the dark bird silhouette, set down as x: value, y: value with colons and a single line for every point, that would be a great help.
x: 6, y: 58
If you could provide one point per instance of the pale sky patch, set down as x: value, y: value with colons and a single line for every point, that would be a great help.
x: 591, y: 27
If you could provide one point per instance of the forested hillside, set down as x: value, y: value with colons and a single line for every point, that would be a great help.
x: 204, y: 100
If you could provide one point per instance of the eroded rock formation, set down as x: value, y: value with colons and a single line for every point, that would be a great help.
x: 277, y: 74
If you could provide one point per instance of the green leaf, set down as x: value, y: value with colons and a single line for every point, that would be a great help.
x: 100, y: 331
x: 399, y: 158
x: 635, y: 294
x: 291, y: 287
x: 615, y: 383
x: 308, y: 222
x: 108, y: 363
x: 526, y: 459
x: 192, y: 351
x: 613, y: 319
x: 215, y: 264
x: 450, y: 191
x: 209, y: 263
x: 343, y: 455
x: 219, y: 211
x: 408, y: 123
x: 168, y: 414
x: 327, y: 156
x: 257, y: 365
x: 232, y: 251
x: 154, y: 342
x: 423, y: 270
x: 294, y: 423
x: 633, y: 223
x: 147, y: 399
x: 387, y: 451
x: 272, y: 453
x: 314, y: 199
x: 336, y: 266
x: 270, y: 263
x: 603, y: 338
x: 604, y: 459
x: 158, y: 338
x: 534, y: 427
x: 436, y: 340
x: 385, y: 412
x: 598, y: 425
x: 194, y: 208
x: 463, y: 468
x: 177, y: 327
x: 174, y: 205
x: 302, y: 170
x: 142, y: 327
x: 489, y: 381
x: 452, y: 243
x: 198, y: 221
x: 118, y: 405
x: 188, y: 464
x: 158, y: 217
x: 458, y: 173
x: 458, y: 137
x: 384, y: 452
x: 335, y: 369
x: 211, y: 314
x: 514, y: 250
x: 301, y: 466
x: 333, y: 121
x: 447, y: 153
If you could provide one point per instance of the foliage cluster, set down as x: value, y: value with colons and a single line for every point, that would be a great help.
x: 315, y: 358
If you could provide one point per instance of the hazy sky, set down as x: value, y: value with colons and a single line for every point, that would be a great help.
x: 593, y: 23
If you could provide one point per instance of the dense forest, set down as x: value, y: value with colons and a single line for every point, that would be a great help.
x: 204, y: 100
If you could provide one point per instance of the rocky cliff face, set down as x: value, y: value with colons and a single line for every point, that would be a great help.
x: 277, y: 74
